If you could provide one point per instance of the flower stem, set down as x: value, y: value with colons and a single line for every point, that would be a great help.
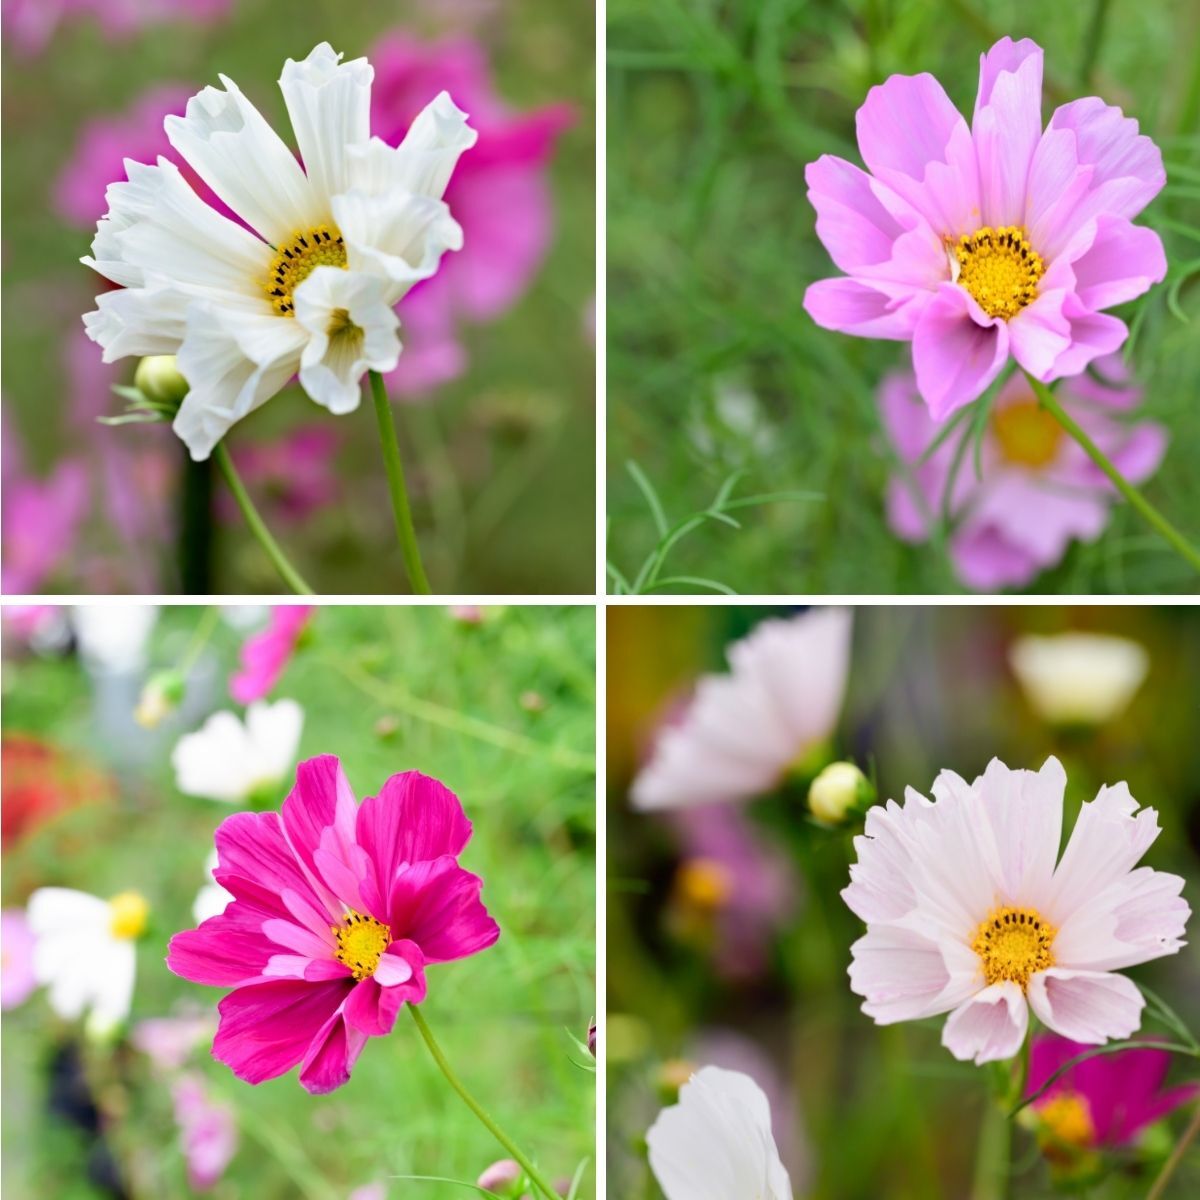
x: 290, y: 575
x: 1164, y: 1176
x: 395, y: 473
x: 991, y: 1156
x: 1145, y: 509
x: 438, y: 1057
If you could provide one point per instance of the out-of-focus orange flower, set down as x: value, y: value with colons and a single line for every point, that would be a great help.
x: 40, y: 782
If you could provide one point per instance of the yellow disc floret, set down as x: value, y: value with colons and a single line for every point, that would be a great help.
x: 127, y: 913
x: 1026, y: 434
x: 999, y: 268
x: 361, y: 942
x: 297, y: 259
x: 1066, y: 1125
x: 1013, y: 944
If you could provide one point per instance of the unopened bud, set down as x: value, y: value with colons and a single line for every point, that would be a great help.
x: 158, y: 379
x: 591, y: 1037
x: 840, y: 791
x: 502, y: 1176
x: 160, y: 697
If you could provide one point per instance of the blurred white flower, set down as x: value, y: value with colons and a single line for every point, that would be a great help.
x: 716, y: 1143
x: 84, y: 953
x: 212, y: 897
x: 113, y: 637
x: 742, y: 731
x: 232, y: 761
x: 1079, y: 678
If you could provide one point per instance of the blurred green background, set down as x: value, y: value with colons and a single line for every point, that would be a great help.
x: 482, y: 454
x: 503, y: 713
x: 713, y: 366
x: 862, y: 1111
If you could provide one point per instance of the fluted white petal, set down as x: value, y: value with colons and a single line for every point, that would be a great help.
x: 149, y: 319
x: 990, y: 1026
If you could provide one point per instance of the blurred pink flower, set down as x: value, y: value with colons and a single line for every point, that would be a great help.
x: 265, y: 655
x: 338, y: 908
x: 1038, y: 490
x: 292, y: 476
x: 17, y: 979
x: 169, y: 1041
x: 467, y: 614
x: 499, y: 194
x: 208, y: 1132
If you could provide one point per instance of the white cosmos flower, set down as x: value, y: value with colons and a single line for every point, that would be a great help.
x: 212, y: 898
x: 716, y: 1143
x: 970, y: 911
x: 743, y: 730
x: 231, y: 760
x: 335, y: 244
x: 84, y: 953
x: 1079, y: 678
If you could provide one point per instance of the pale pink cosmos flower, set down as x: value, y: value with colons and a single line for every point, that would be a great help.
x: 17, y: 977
x: 741, y: 731
x: 500, y: 195
x: 265, y: 654
x: 338, y: 908
x: 208, y: 1134
x: 169, y: 1041
x: 1037, y: 491
x: 994, y: 241
x: 970, y: 911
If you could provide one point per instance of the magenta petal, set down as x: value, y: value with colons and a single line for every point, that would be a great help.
x: 228, y: 949
x: 866, y: 308
x: 413, y: 819
x: 321, y: 800
x: 267, y: 1028
x: 1120, y: 262
x: 256, y: 864
x: 332, y: 1055
x: 1092, y: 336
x: 372, y: 1009
x: 437, y: 905
x: 955, y: 356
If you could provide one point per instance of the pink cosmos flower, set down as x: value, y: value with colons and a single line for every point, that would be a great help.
x: 337, y: 910
x: 294, y: 474
x: 741, y: 731
x: 1105, y: 1101
x: 169, y: 1041
x: 499, y: 194
x: 970, y: 911
x: 32, y: 23
x: 17, y: 978
x: 1038, y: 490
x: 208, y: 1133
x: 986, y: 242
x: 265, y: 655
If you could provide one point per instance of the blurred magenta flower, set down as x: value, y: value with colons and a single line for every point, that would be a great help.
x: 294, y: 474
x: 266, y: 654
x: 17, y: 978
x: 1038, y: 489
x: 1105, y: 1101
x: 208, y: 1132
x: 984, y: 243
x: 500, y: 195
x: 338, y: 909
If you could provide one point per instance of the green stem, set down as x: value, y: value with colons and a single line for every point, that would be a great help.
x: 438, y: 1057
x: 1093, y: 40
x: 204, y: 629
x: 1145, y: 509
x: 991, y: 1163
x: 289, y: 573
x: 1164, y: 1176
x: 395, y: 473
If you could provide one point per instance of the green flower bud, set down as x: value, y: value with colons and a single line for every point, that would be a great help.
x: 158, y: 379
x: 160, y: 697
x: 839, y: 792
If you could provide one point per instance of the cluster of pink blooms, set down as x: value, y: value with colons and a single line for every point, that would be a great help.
x: 31, y: 24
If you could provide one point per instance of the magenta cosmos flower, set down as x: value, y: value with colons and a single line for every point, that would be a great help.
x: 265, y: 655
x: 970, y: 911
x: 1037, y: 490
x: 1103, y: 1102
x: 986, y: 242
x: 338, y: 908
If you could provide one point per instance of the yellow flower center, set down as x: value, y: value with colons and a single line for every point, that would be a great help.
x: 704, y: 883
x: 360, y: 943
x: 1013, y: 944
x: 1026, y: 434
x: 127, y: 914
x: 1066, y: 1125
x: 297, y: 259
x: 999, y: 268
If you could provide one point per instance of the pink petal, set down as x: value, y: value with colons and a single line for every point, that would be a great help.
x: 258, y: 866
x: 1040, y: 333
x: 332, y: 1055
x: 1088, y: 1006
x: 1007, y: 127
x: 866, y: 308
x: 413, y: 819
x: 399, y: 979
x: 986, y: 561
x: 267, y: 1028
x: 903, y: 976
x: 1092, y: 336
x: 1114, y: 261
x: 437, y: 905
x: 957, y: 351
x: 372, y: 1009
x: 1038, y: 518
x: 402, y: 966
x: 321, y: 801
x: 989, y: 1027
x: 228, y: 949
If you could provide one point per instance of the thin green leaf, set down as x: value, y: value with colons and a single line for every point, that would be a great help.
x: 462, y: 1183
x: 946, y: 430
x: 647, y: 489
x: 577, y: 1179
x: 691, y: 580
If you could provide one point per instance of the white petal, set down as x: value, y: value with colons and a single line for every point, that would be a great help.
x: 233, y: 362
x: 989, y: 1027
x: 1086, y: 1006
x: 330, y: 106
x: 351, y: 328
x: 1079, y: 677
x: 275, y: 730
x: 139, y: 320
x: 904, y: 975
x: 54, y: 910
x: 233, y: 149
x: 216, y: 762
x: 716, y: 1143
x: 112, y: 993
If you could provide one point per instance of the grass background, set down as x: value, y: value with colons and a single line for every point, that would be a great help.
x: 482, y: 458
x: 713, y: 111
x: 881, y: 1111
x: 512, y: 733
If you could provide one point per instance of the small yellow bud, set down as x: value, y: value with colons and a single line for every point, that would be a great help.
x: 158, y: 379
x: 128, y: 912
x: 840, y: 790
